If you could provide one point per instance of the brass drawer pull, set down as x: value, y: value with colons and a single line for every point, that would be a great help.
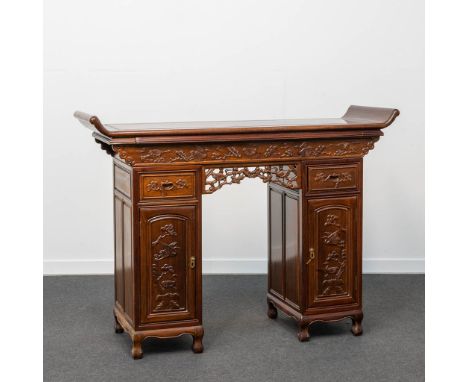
x: 167, y: 185
x: 311, y: 255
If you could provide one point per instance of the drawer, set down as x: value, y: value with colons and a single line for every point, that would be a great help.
x: 167, y: 185
x: 330, y: 178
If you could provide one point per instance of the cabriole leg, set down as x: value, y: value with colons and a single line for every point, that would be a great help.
x: 303, y: 331
x: 272, y: 311
x: 197, y: 346
x: 137, y: 352
x: 118, y: 328
x: 356, y: 329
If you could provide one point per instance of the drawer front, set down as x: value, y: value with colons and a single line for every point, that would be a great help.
x: 167, y: 185
x: 329, y: 178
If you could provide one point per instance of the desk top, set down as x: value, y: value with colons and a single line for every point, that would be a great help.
x: 360, y: 118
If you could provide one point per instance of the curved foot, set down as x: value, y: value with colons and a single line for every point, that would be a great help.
x: 272, y: 311
x: 137, y: 352
x: 303, y: 331
x: 118, y: 328
x: 197, y: 346
x: 356, y: 329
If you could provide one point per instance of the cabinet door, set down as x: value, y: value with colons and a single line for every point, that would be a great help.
x: 168, y: 263
x: 332, y: 258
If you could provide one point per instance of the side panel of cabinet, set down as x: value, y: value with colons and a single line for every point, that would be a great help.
x: 123, y: 240
x: 118, y: 250
x: 284, y: 244
x: 168, y: 263
x: 291, y: 249
x: 128, y: 258
x: 275, y: 233
x: 333, y: 247
x: 123, y: 260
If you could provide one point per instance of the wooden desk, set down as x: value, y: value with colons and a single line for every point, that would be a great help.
x: 313, y: 169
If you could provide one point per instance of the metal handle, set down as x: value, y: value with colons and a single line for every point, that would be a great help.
x: 167, y: 185
x: 192, y: 262
x: 311, y: 255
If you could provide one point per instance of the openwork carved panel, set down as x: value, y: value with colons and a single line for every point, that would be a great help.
x: 284, y: 175
x: 242, y: 152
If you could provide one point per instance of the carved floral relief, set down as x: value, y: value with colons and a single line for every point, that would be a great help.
x: 210, y: 152
x: 164, y: 278
x: 166, y: 185
x: 332, y: 269
x: 335, y: 178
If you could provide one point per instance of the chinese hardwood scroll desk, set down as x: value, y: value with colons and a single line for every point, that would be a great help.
x: 313, y: 168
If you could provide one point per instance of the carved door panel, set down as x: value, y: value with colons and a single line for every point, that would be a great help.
x: 168, y: 263
x: 332, y: 246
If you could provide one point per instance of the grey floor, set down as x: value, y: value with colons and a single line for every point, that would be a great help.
x: 241, y: 343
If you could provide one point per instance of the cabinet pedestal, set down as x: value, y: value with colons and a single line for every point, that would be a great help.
x: 314, y: 262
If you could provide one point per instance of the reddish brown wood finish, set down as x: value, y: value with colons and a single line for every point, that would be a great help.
x: 355, y: 118
x: 332, y: 242
x: 167, y: 185
x: 167, y: 247
x: 314, y: 170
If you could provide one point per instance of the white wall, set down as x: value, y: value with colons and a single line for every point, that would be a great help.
x: 151, y: 60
